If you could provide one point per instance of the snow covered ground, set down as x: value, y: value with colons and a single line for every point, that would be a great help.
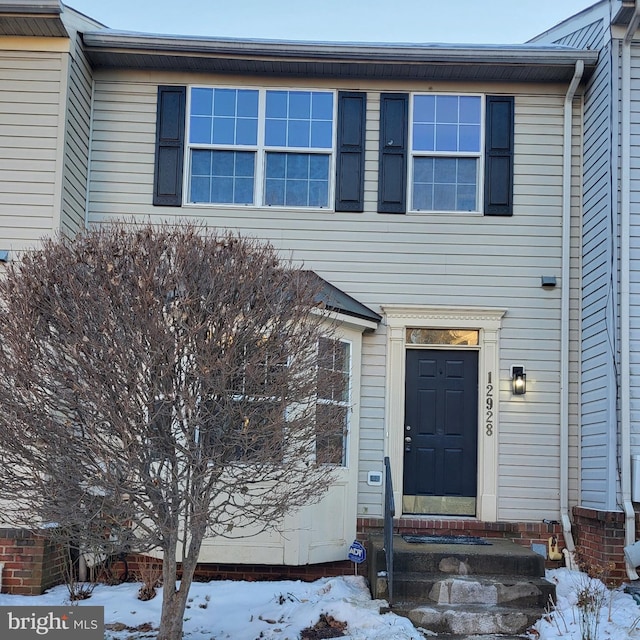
x: 617, y: 617
x: 280, y: 610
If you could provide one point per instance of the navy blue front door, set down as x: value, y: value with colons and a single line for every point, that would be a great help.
x: 441, y: 431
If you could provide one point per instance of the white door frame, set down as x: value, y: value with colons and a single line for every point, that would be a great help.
x: 487, y: 322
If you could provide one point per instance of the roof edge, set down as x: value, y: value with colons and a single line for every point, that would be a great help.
x: 284, y: 49
x: 41, y: 7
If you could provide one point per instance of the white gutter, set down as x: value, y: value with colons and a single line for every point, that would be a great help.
x: 625, y: 267
x: 429, y: 53
x: 564, y: 307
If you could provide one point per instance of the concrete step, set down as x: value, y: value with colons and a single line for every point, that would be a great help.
x: 501, y: 557
x: 469, y: 620
x: 499, y: 590
x: 476, y: 592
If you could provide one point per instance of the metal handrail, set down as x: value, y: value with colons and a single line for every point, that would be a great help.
x: 389, y: 513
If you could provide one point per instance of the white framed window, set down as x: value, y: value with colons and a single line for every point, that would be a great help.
x: 446, y: 142
x: 333, y: 402
x: 260, y: 147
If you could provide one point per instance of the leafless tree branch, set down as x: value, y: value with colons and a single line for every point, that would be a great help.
x: 159, y: 385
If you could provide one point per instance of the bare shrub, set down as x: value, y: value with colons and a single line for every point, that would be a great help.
x: 158, y: 387
x: 149, y: 573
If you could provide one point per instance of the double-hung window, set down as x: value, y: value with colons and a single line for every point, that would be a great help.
x: 244, y: 420
x: 260, y: 147
x: 446, y: 144
x: 223, y: 137
x: 445, y: 152
x: 333, y: 401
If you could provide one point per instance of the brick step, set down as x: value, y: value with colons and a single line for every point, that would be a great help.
x: 493, y: 590
x: 469, y: 620
x: 500, y: 557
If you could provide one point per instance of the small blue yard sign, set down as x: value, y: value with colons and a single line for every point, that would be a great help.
x: 357, y: 553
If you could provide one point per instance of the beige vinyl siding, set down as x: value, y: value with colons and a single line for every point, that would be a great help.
x: 31, y: 123
x: 452, y: 259
x: 78, y: 126
x: 76, y: 160
x: 372, y: 414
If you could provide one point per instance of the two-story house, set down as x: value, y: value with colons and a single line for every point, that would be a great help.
x: 435, y: 188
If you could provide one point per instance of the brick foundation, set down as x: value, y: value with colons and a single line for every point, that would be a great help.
x: 599, y: 538
x: 217, y: 571
x: 32, y: 563
x: 524, y: 533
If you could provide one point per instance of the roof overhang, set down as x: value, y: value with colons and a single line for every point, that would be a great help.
x: 345, y: 307
x: 108, y: 49
x: 623, y: 12
x: 39, y: 18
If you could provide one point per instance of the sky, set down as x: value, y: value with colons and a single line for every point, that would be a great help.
x: 416, y: 21
x: 281, y: 610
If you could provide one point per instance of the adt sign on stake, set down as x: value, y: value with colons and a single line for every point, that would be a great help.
x: 357, y: 553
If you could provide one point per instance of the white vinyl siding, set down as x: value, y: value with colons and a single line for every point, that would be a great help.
x: 598, y: 340
x: 385, y: 259
x: 32, y: 91
x: 634, y: 251
x: 598, y: 398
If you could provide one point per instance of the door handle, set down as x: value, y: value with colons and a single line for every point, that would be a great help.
x: 408, y: 439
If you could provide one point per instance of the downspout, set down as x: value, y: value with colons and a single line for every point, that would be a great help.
x: 564, y: 313
x: 625, y: 312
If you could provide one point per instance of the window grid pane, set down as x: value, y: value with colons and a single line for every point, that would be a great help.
x: 299, y: 119
x: 297, y: 180
x: 224, y: 116
x: 446, y: 123
x: 222, y: 177
x: 445, y: 184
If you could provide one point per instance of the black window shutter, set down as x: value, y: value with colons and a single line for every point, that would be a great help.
x: 352, y: 108
x: 392, y: 176
x: 498, y: 170
x: 170, y: 122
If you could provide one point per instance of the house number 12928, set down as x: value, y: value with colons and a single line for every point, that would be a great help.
x: 488, y: 419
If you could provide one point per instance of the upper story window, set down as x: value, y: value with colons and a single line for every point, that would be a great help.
x: 299, y: 149
x: 222, y: 123
x: 446, y: 144
x: 260, y: 147
x: 446, y: 153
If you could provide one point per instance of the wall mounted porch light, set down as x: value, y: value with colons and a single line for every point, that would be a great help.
x: 518, y: 380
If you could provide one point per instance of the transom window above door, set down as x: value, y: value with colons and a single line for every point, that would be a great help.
x: 260, y: 147
x: 453, y: 337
